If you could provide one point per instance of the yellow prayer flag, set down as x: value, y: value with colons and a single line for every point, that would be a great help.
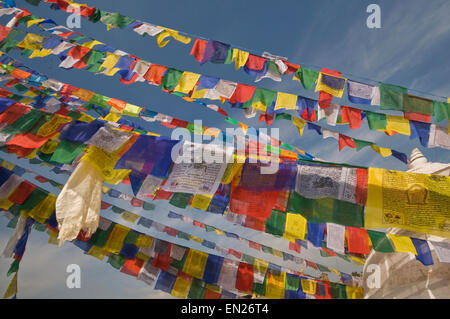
x: 5, y: 204
x: 199, y: 94
x: 338, y: 83
x: 286, y: 101
x: 30, y: 93
x: 354, y: 292
x: 86, y: 118
x: 295, y: 226
x: 385, y: 152
x: 143, y: 241
x: 201, y: 201
x: 12, y: 288
x: 52, y: 125
x: 309, y: 286
x: 240, y: 58
x: 109, y: 63
x: 398, y: 124
x: 44, y: 209
x: 33, y: 22
x: 195, y: 238
x: 259, y: 106
x: 40, y: 53
x: 8, y: 165
x: 187, y: 82
x: 31, y: 41
x: 132, y: 110
x: 181, y: 288
x: 27, y: 101
x: 195, y: 263
x: 105, y: 163
x: 167, y: 33
x: 231, y: 171
x: 116, y: 238
x: 142, y: 256
x: 275, y: 286
x: 91, y: 44
x: 402, y: 244
x: 129, y: 216
x: 407, y: 200
x: 97, y: 252
x: 260, y: 265
x: 112, y: 116
x: 300, y: 124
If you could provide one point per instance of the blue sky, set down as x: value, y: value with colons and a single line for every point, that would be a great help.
x: 409, y: 50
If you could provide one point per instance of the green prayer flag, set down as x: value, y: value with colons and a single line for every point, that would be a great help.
x: 39, y: 227
x: 131, y: 237
x: 417, y: 104
x: 13, y: 268
x: 99, y: 238
x: 283, y: 116
x: 348, y: 214
x: 209, y: 228
x: 118, y: 20
x: 148, y: 206
x: 323, y: 268
x: 117, y: 210
x: 266, y: 249
x: 228, y: 59
x: 338, y: 291
x: 260, y: 289
x: 36, y: 196
x: 308, y: 77
x: 24, y: 123
x: 265, y: 96
x: 360, y: 144
x: 95, y: 17
x: 13, y: 222
x: 292, y: 283
x: 197, y: 290
x: 380, y: 242
x: 74, y: 115
x: 67, y: 151
x: 377, y: 121
x: 276, y: 223
x: 248, y: 259
x: 99, y: 100
x: 180, y: 200
x: 441, y: 111
x: 391, y: 96
x: 183, y: 235
x: 116, y: 261
x: 231, y: 120
x: 170, y: 79
x: 178, y: 264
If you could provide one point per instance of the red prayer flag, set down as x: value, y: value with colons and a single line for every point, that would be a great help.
x: 255, y: 62
x: 345, y: 141
x: 242, y: 94
x: 209, y: 294
x: 28, y: 140
x: 352, y: 116
x: 132, y: 267
x: 244, y: 278
x: 198, y: 49
x: 77, y: 52
x: 291, y: 67
x: 362, y: 179
x: 155, y: 73
x: 357, y: 240
x: 13, y: 113
x: 21, y: 193
x: 4, y: 32
x: 413, y: 116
